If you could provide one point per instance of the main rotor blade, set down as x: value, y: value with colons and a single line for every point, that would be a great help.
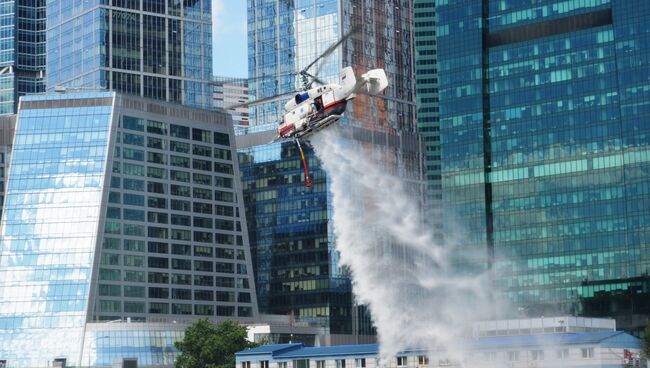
x: 332, y: 47
x: 261, y: 100
x: 314, y: 78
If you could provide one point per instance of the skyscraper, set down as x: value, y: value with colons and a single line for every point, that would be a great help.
x: 543, y: 116
x: 118, y: 208
x: 154, y: 48
x: 292, y: 238
x: 7, y: 126
x: 232, y: 92
x: 22, y: 51
x: 426, y: 71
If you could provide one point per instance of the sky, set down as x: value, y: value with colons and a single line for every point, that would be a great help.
x: 229, y: 51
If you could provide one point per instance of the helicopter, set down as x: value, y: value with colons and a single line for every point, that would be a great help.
x: 317, y: 107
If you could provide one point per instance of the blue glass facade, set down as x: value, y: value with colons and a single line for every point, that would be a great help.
x: 543, y: 111
x: 427, y: 103
x: 22, y: 51
x: 291, y: 232
x: 151, y: 344
x: 294, y: 259
x: 50, y: 226
x: 157, y: 49
x: 118, y: 208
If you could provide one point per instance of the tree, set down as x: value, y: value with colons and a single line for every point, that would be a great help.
x: 207, y: 345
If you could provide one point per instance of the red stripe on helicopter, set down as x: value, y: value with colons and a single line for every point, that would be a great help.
x: 284, y: 130
x: 334, y: 104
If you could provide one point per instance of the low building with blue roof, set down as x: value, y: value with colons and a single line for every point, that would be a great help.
x: 595, y: 348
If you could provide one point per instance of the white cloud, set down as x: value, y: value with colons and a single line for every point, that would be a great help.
x: 217, y: 15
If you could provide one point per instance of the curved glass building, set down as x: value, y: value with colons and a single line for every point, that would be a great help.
x: 118, y: 209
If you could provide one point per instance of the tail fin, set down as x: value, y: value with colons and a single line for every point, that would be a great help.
x: 347, y: 79
x: 376, y: 81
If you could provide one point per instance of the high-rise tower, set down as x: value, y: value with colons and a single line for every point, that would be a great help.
x: 22, y: 51
x: 426, y: 71
x: 544, y: 125
x: 118, y: 208
x: 292, y: 238
x: 154, y: 48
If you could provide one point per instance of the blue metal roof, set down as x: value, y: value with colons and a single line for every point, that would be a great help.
x: 270, y: 349
x: 337, y: 350
x: 604, y: 338
x: 611, y: 339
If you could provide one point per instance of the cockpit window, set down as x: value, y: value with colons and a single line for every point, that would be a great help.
x: 301, y: 97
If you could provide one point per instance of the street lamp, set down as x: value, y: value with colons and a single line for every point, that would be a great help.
x: 89, y: 351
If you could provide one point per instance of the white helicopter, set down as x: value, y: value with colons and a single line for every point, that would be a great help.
x: 315, y: 108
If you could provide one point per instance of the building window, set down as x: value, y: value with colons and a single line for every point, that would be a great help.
x: 340, y: 363
x: 360, y: 363
x: 244, y: 364
x: 320, y: 364
x: 401, y: 361
x: 265, y: 364
x: 537, y: 355
x: 513, y: 356
x: 562, y: 354
x: 587, y: 353
x: 301, y: 363
x: 490, y: 356
x: 280, y: 364
x: 423, y: 360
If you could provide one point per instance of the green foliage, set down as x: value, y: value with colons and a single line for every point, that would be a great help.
x: 207, y: 345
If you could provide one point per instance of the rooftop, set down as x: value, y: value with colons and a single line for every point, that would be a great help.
x: 609, y: 339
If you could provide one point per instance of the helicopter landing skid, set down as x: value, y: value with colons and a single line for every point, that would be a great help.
x: 315, y: 127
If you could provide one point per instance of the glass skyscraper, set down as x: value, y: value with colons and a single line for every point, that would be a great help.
x: 7, y: 127
x: 153, y: 48
x: 118, y: 208
x: 22, y: 51
x: 544, y: 114
x: 426, y: 71
x: 291, y: 232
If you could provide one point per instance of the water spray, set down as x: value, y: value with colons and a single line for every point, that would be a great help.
x: 421, y: 293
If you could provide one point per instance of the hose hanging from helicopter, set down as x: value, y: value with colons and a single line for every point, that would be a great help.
x: 304, y: 163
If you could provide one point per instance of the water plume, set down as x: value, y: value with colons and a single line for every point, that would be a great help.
x: 421, y: 293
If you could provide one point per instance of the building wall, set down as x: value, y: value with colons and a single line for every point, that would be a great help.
x: 22, y: 51
x: 292, y: 254
x: 551, y: 356
x: 50, y: 226
x: 296, y: 263
x: 427, y: 99
x: 152, y: 344
x: 118, y: 208
x: 230, y: 92
x: 7, y: 130
x: 543, y: 149
x: 174, y: 244
x: 162, y: 50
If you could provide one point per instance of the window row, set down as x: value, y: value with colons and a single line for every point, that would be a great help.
x: 107, y: 274
x: 136, y: 245
x: 116, y: 228
x: 176, y: 131
x: 112, y: 259
x: 107, y: 290
x: 162, y: 173
x: 113, y: 306
x: 164, y: 218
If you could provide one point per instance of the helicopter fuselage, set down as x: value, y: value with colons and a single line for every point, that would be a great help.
x: 313, y: 110
x: 317, y: 108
